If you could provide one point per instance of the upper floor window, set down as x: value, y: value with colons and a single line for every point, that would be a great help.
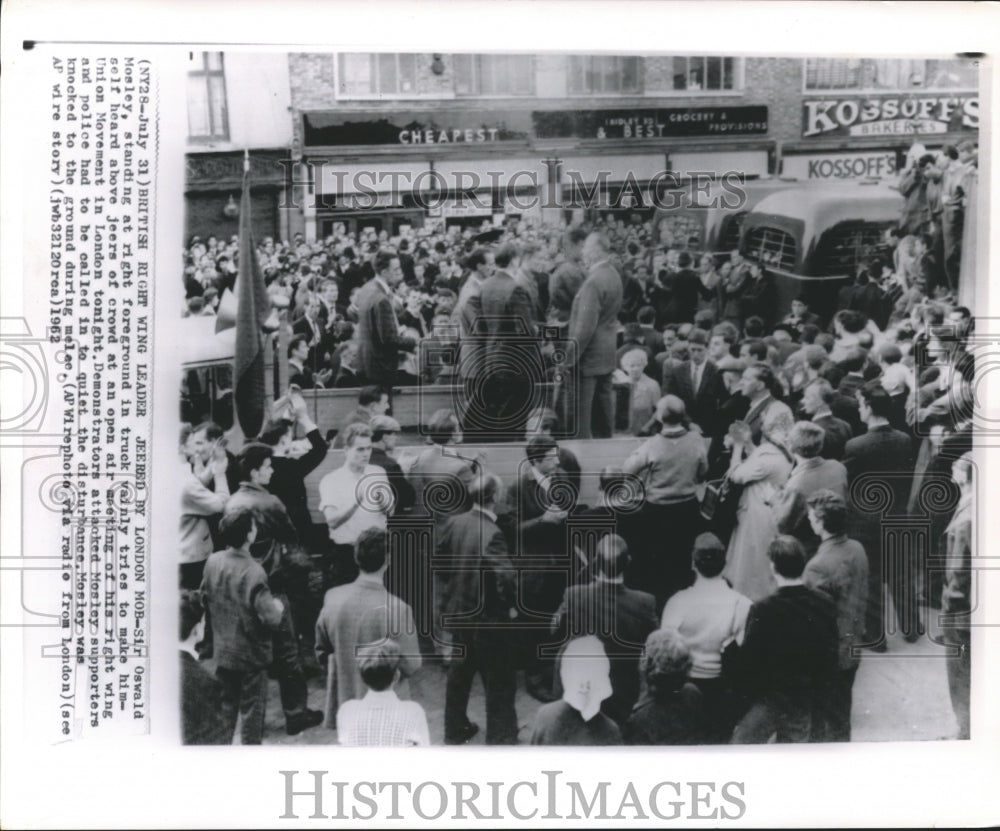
x: 889, y: 74
x: 702, y: 73
x: 494, y: 74
x: 388, y: 73
x: 206, y: 97
x: 603, y: 74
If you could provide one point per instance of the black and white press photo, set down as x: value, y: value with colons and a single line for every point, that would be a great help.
x: 474, y: 413
x: 577, y: 399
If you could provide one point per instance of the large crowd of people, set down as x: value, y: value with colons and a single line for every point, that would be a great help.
x: 743, y: 565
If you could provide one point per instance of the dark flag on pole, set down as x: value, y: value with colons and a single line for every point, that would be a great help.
x: 252, y: 309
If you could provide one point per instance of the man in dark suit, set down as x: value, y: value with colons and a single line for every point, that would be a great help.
x: 652, y: 339
x: 676, y: 295
x: 836, y: 432
x: 733, y: 406
x: 476, y: 595
x: 350, y: 271
x: 511, y: 361
x: 201, y: 692
x: 882, y: 455
x: 288, y: 479
x: 616, y: 512
x: 789, y: 656
x: 288, y: 484
x: 566, y: 280
x: 702, y: 401
x: 800, y: 316
x: 544, y: 496
x: 853, y: 377
x: 379, y: 341
x: 299, y: 369
x: 406, y: 262
x: 759, y: 297
x: 593, y: 328
x: 843, y: 407
x: 442, y: 471
x: 467, y: 319
x: 440, y: 476
x: 621, y: 618
x: 811, y: 473
x: 331, y: 310
x: 310, y: 325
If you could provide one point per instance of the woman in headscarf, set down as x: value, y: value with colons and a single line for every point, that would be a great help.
x: 576, y: 719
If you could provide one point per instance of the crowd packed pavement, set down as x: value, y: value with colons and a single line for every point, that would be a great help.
x: 742, y: 570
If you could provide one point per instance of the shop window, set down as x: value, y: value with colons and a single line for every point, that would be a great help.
x: 772, y: 248
x: 365, y: 74
x: 494, y: 74
x: 206, y: 97
x: 889, y: 74
x: 604, y: 74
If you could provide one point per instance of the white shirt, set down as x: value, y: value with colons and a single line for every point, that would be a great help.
x: 696, y: 372
x: 342, y: 487
x: 492, y: 517
x: 380, y: 719
x: 897, y: 378
x: 542, y: 479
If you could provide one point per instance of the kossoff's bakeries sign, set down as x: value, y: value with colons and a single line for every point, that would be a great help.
x: 463, y: 127
x: 902, y: 115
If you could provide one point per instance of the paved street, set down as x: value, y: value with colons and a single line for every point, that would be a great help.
x: 900, y: 695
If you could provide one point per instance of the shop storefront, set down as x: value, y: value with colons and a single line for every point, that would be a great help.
x: 385, y: 169
x: 856, y: 136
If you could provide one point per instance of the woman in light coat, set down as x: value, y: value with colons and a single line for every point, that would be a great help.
x: 762, y: 474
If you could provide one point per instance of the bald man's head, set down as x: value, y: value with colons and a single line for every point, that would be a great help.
x: 612, y: 556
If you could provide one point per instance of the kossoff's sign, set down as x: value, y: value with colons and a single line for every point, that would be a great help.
x: 649, y: 123
x: 840, y: 166
x: 902, y: 115
x: 330, y: 129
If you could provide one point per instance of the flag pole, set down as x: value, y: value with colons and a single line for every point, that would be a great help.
x: 269, y: 340
x: 252, y: 347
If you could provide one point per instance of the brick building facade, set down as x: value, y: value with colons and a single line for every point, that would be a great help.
x: 391, y: 139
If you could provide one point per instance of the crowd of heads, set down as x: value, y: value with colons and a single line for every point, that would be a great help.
x: 893, y: 349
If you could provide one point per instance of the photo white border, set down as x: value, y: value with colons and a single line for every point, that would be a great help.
x: 152, y: 781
